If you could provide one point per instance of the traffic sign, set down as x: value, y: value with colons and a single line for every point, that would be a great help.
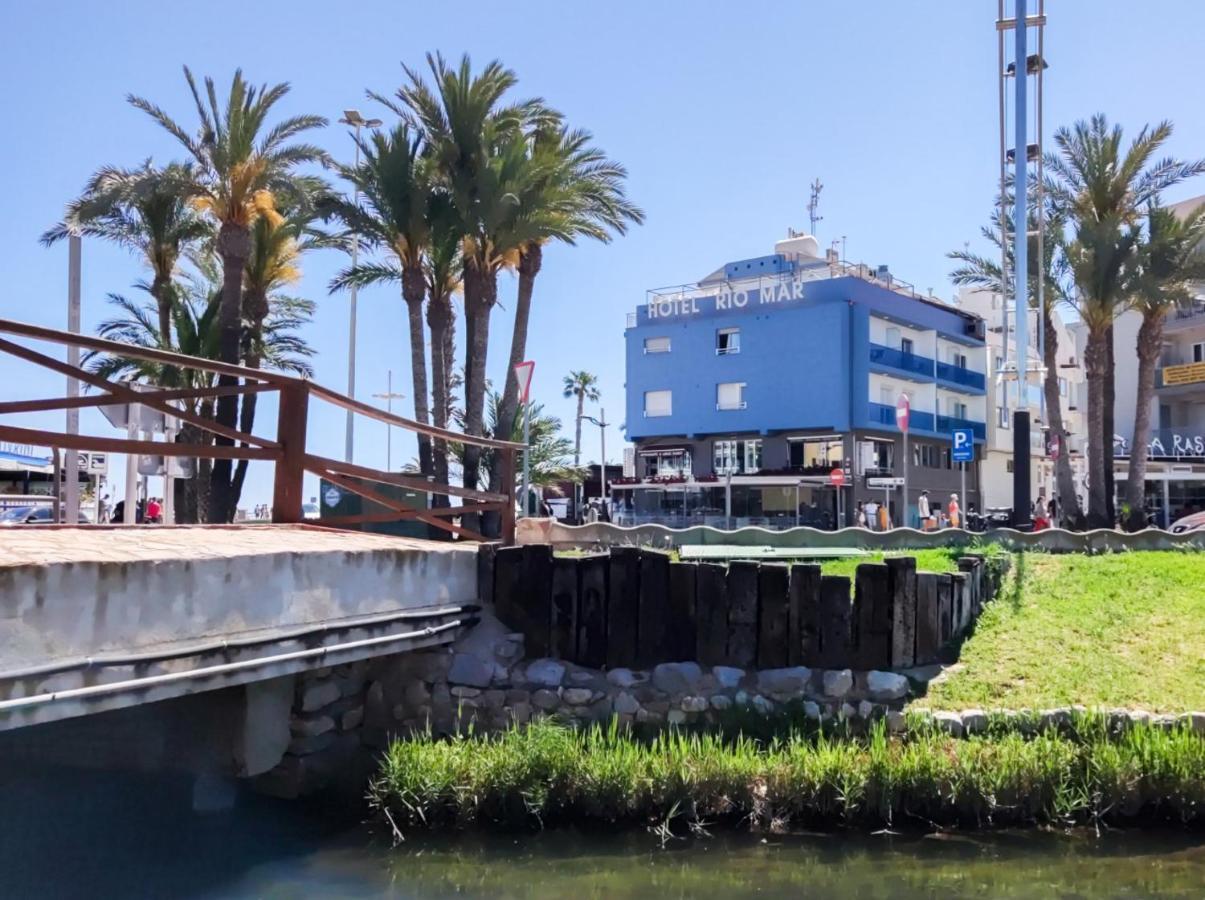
x: 883, y: 482
x: 902, y: 410
x: 837, y: 477
x: 1054, y: 447
x: 962, y: 444
x: 523, y: 372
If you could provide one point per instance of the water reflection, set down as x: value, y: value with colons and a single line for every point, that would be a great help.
x: 89, y: 835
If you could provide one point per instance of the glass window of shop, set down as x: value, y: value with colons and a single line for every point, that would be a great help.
x: 815, y: 455
x: 669, y: 463
x: 876, y: 457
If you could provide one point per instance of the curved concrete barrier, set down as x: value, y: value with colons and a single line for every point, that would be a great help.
x: 1054, y: 540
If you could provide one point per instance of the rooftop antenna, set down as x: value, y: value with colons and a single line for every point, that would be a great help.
x: 814, y: 204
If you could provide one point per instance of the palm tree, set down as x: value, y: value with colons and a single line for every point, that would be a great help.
x: 243, y: 171
x: 1103, y: 189
x: 441, y: 269
x: 146, y: 210
x: 1170, y: 260
x: 479, y: 149
x: 575, y: 191
x: 983, y: 272
x: 398, y: 187
x: 584, y: 386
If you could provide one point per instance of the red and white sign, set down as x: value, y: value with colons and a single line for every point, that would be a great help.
x: 902, y: 410
x: 1054, y: 447
x: 837, y: 477
x: 523, y: 372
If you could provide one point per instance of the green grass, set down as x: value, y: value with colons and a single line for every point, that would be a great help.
x: 1116, y: 630
x: 941, y: 559
x: 547, y: 774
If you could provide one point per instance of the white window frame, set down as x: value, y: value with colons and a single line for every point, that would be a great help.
x: 731, y: 347
x: 732, y: 405
x: 1198, y: 352
x: 752, y: 456
x: 669, y: 406
x: 724, y: 457
x: 657, y: 348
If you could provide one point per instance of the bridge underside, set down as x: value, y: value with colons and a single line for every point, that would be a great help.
x: 94, y: 619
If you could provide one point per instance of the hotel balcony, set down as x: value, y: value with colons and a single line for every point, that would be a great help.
x: 883, y: 414
x: 959, y: 379
x: 1190, y: 315
x: 910, y: 365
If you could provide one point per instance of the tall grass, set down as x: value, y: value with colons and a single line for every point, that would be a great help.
x: 547, y: 773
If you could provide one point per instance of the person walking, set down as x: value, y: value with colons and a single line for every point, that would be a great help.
x: 872, y: 515
x: 860, y: 515
x: 923, y: 512
x: 154, y: 511
x: 954, y: 512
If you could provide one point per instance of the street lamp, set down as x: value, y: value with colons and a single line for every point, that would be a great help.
x: 602, y: 469
x: 389, y: 396
x: 353, y: 118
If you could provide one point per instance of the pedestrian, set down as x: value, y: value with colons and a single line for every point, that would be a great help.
x: 154, y: 511
x: 872, y: 514
x: 1052, y: 511
x: 860, y: 515
x: 119, y: 512
x: 102, y: 512
x: 954, y: 512
x: 923, y: 512
x: 884, y: 517
x: 591, y: 513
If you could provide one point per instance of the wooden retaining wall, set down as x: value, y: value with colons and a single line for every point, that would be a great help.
x: 635, y: 608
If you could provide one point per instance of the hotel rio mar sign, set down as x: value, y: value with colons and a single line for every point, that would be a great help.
x: 780, y: 292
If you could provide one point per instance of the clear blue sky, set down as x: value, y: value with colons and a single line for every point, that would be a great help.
x: 723, y: 113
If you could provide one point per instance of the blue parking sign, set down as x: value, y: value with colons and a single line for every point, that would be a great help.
x: 962, y: 443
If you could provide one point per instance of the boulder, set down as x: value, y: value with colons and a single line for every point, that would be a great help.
x: 1194, y: 721
x: 762, y: 704
x: 974, y: 721
x: 352, y: 719
x: 675, y: 717
x: 546, y: 672
x: 896, y: 722
x: 577, y: 696
x: 319, y: 694
x: 462, y: 692
x: 311, y: 726
x: 847, y: 712
x: 949, y: 722
x: 470, y: 670
x: 694, y: 704
x: 728, y: 677
x: 626, y: 678
x: 721, y: 702
x: 784, y: 681
x: 811, y: 709
x: 884, y: 686
x: 866, y: 710
x: 677, y: 678
x: 838, y: 682
x: 545, y: 699
x: 626, y: 704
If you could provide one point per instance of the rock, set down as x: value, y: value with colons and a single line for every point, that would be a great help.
x: 762, y: 705
x: 546, y: 672
x: 1166, y: 722
x: 866, y: 710
x: 463, y: 692
x: 600, y: 709
x: 694, y: 704
x: 577, y: 696
x: 626, y: 678
x: 545, y: 699
x: 626, y: 704
x: 847, y: 712
x: 416, y: 694
x: 376, y: 712
x: 885, y: 686
x: 349, y: 684
x: 501, y: 677
x: 470, y: 670
x: 660, y: 707
x: 741, y: 698
x: 677, y: 678
x: 949, y: 722
x: 922, y: 673
x: 675, y: 717
x: 508, y: 649
x: 1139, y: 717
x: 310, y: 726
x: 581, y: 677
x: 647, y: 716
x: 811, y: 709
x: 1194, y: 720
x: 319, y: 694
x: 433, y: 666
x: 494, y: 699
x: 520, y: 712
x: 352, y: 719
x: 837, y: 682
x: 515, y: 695
x: 784, y: 681
x: 302, y: 746
x: 1054, y: 719
x: 728, y: 676
x: 974, y: 721
x: 720, y: 702
x: 896, y: 723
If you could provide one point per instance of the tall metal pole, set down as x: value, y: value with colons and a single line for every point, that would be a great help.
x: 71, y: 461
x: 526, y: 453
x: 1003, y: 204
x: 349, y: 443
x: 1021, y: 446
x: 602, y: 470
x: 389, y: 425
x: 904, y: 512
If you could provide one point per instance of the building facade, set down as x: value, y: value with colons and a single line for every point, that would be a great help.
x: 747, y: 392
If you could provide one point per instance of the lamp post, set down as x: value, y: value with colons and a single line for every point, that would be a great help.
x: 71, y: 461
x: 602, y: 469
x: 353, y: 118
x: 389, y: 396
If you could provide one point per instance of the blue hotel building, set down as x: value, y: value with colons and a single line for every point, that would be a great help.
x: 747, y: 389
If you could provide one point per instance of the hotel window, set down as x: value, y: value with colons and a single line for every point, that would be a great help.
x: 724, y: 457
x: 727, y: 340
x: 656, y: 345
x: 1198, y: 353
x: 905, y: 345
x: 958, y: 360
x: 1001, y: 417
x: 658, y: 403
x: 876, y: 457
x: 752, y: 457
x: 957, y: 410
x: 1062, y: 387
x: 730, y: 395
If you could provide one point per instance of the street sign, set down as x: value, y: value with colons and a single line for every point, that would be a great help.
x: 332, y: 496
x: 962, y: 445
x: 837, y: 477
x: 523, y: 372
x: 902, y: 410
x: 884, y: 482
x: 1053, y: 447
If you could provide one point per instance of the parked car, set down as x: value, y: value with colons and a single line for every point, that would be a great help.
x: 32, y: 515
x: 1193, y: 522
x: 310, y: 511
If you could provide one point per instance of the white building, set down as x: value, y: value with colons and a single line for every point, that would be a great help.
x: 1001, y: 392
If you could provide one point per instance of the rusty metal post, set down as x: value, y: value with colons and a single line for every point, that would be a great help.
x: 508, y: 489
x: 290, y: 465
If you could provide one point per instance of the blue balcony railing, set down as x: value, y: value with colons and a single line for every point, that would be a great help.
x: 901, y: 361
x: 960, y: 376
x: 883, y: 414
x: 947, y: 424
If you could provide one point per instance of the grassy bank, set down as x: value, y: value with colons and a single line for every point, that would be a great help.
x: 547, y: 774
x: 1117, y: 630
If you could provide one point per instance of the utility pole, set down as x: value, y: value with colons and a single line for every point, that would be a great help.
x: 71, y: 461
x: 814, y: 205
x: 1021, y: 448
x: 602, y: 424
x: 389, y: 396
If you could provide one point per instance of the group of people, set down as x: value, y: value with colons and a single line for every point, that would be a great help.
x: 877, y: 516
x: 148, y: 512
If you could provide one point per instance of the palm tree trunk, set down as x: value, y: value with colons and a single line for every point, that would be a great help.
x: 529, y: 267
x: 255, y: 308
x: 1110, y: 426
x: 413, y: 291
x: 577, y: 437
x: 1095, y: 364
x: 234, y: 246
x: 480, y: 291
x: 163, y: 305
x: 438, y: 315
x: 1150, y: 343
x: 1064, y: 480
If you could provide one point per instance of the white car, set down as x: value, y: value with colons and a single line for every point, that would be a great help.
x: 1193, y: 522
x: 310, y: 511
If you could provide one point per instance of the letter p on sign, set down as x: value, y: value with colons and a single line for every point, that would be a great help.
x: 962, y: 444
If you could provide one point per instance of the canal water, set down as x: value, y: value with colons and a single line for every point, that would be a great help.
x: 98, y: 837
